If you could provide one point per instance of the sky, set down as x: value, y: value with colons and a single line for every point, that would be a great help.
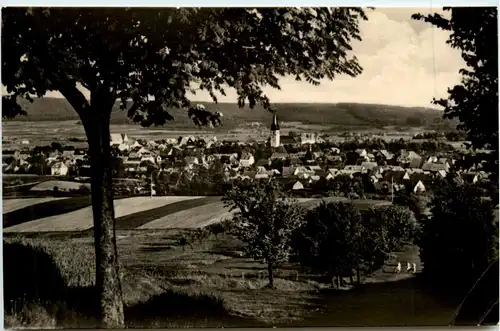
x: 405, y: 62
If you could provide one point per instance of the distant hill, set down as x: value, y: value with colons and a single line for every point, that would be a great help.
x: 338, y: 114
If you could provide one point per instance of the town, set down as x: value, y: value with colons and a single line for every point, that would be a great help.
x: 308, y: 164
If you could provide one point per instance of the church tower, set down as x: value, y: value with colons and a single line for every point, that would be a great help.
x: 275, y: 132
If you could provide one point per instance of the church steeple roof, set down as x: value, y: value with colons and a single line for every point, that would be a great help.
x: 274, y: 125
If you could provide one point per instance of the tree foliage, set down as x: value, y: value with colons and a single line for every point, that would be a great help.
x: 264, y: 220
x: 337, y: 238
x: 473, y: 31
x: 460, y: 240
x: 326, y: 243
x: 135, y: 53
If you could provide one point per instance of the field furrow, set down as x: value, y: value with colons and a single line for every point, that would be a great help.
x: 191, y: 218
x: 9, y: 205
x: 137, y: 219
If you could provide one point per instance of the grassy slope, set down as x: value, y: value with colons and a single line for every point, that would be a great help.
x: 155, y: 265
x: 340, y: 114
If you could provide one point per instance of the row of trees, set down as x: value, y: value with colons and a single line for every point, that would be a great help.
x: 334, y: 239
x: 457, y: 243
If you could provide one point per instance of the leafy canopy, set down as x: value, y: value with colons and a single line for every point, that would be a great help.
x: 462, y: 233
x: 153, y: 57
x: 327, y: 241
x: 475, y: 100
x: 264, y: 219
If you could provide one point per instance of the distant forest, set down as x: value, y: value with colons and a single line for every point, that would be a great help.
x: 342, y: 115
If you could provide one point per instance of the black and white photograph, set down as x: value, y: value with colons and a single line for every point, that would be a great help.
x: 237, y: 167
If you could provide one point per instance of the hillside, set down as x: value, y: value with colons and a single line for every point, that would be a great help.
x: 339, y: 114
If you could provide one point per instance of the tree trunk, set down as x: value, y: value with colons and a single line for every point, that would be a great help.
x: 338, y: 282
x: 270, y: 275
x: 358, y: 275
x: 108, y: 282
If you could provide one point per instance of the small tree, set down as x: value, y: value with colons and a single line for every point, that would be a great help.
x: 264, y: 221
x: 383, y: 231
x: 216, y: 229
x: 327, y: 242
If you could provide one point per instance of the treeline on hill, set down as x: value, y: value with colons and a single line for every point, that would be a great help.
x: 339, y: 114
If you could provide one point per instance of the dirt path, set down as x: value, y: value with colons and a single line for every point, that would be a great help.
x: 385, y: 299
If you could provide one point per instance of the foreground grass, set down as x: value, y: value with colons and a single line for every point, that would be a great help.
x: 206, y: 285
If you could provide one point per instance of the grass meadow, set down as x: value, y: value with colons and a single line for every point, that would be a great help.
x: 202, y: 284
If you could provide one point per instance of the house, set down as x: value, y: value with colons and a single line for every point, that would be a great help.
x: 288, y: 171
x: 279, y: 156
x: 134, y: 145
x: 247, y: 160
x: 418, y: 182
x: 441, y: 174
x: 161, y: 147
x: 148, y: 158
x: 263, y: 163
x: 369, y: 165
x: 383, y: 153
x: 333, y: 159
x: 188, y: 140
x: 191, y: 160
x: 68, y: 154
x: 261, y: 170
x: 59, y: 169
x: 435, y: 167
x: 143, y: 151
x: 355, y: 168
x: 396, y: 177
x: 118, y: 139
x: 134, y: 156
x: 249, y: 174
x: 432, y: 159
x: 151, y: 144
x: 297, y: 186
x: 317, y: 155
x: 25, y: 142
x: 470, y: 177
x: 295, y: 161
x: 362, y: 152
x: 261, y: 176
x: 314, y: 167
x: 408, y: 155
x: 307, y: 138
x: 303, y: 171
x: 171, y: 141
x: 123, y: 147
x: 419, y: 187
x: 415, y: 163
x: 332, y: 173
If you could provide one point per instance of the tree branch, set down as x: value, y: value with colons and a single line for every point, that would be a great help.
x: 75, y: 98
